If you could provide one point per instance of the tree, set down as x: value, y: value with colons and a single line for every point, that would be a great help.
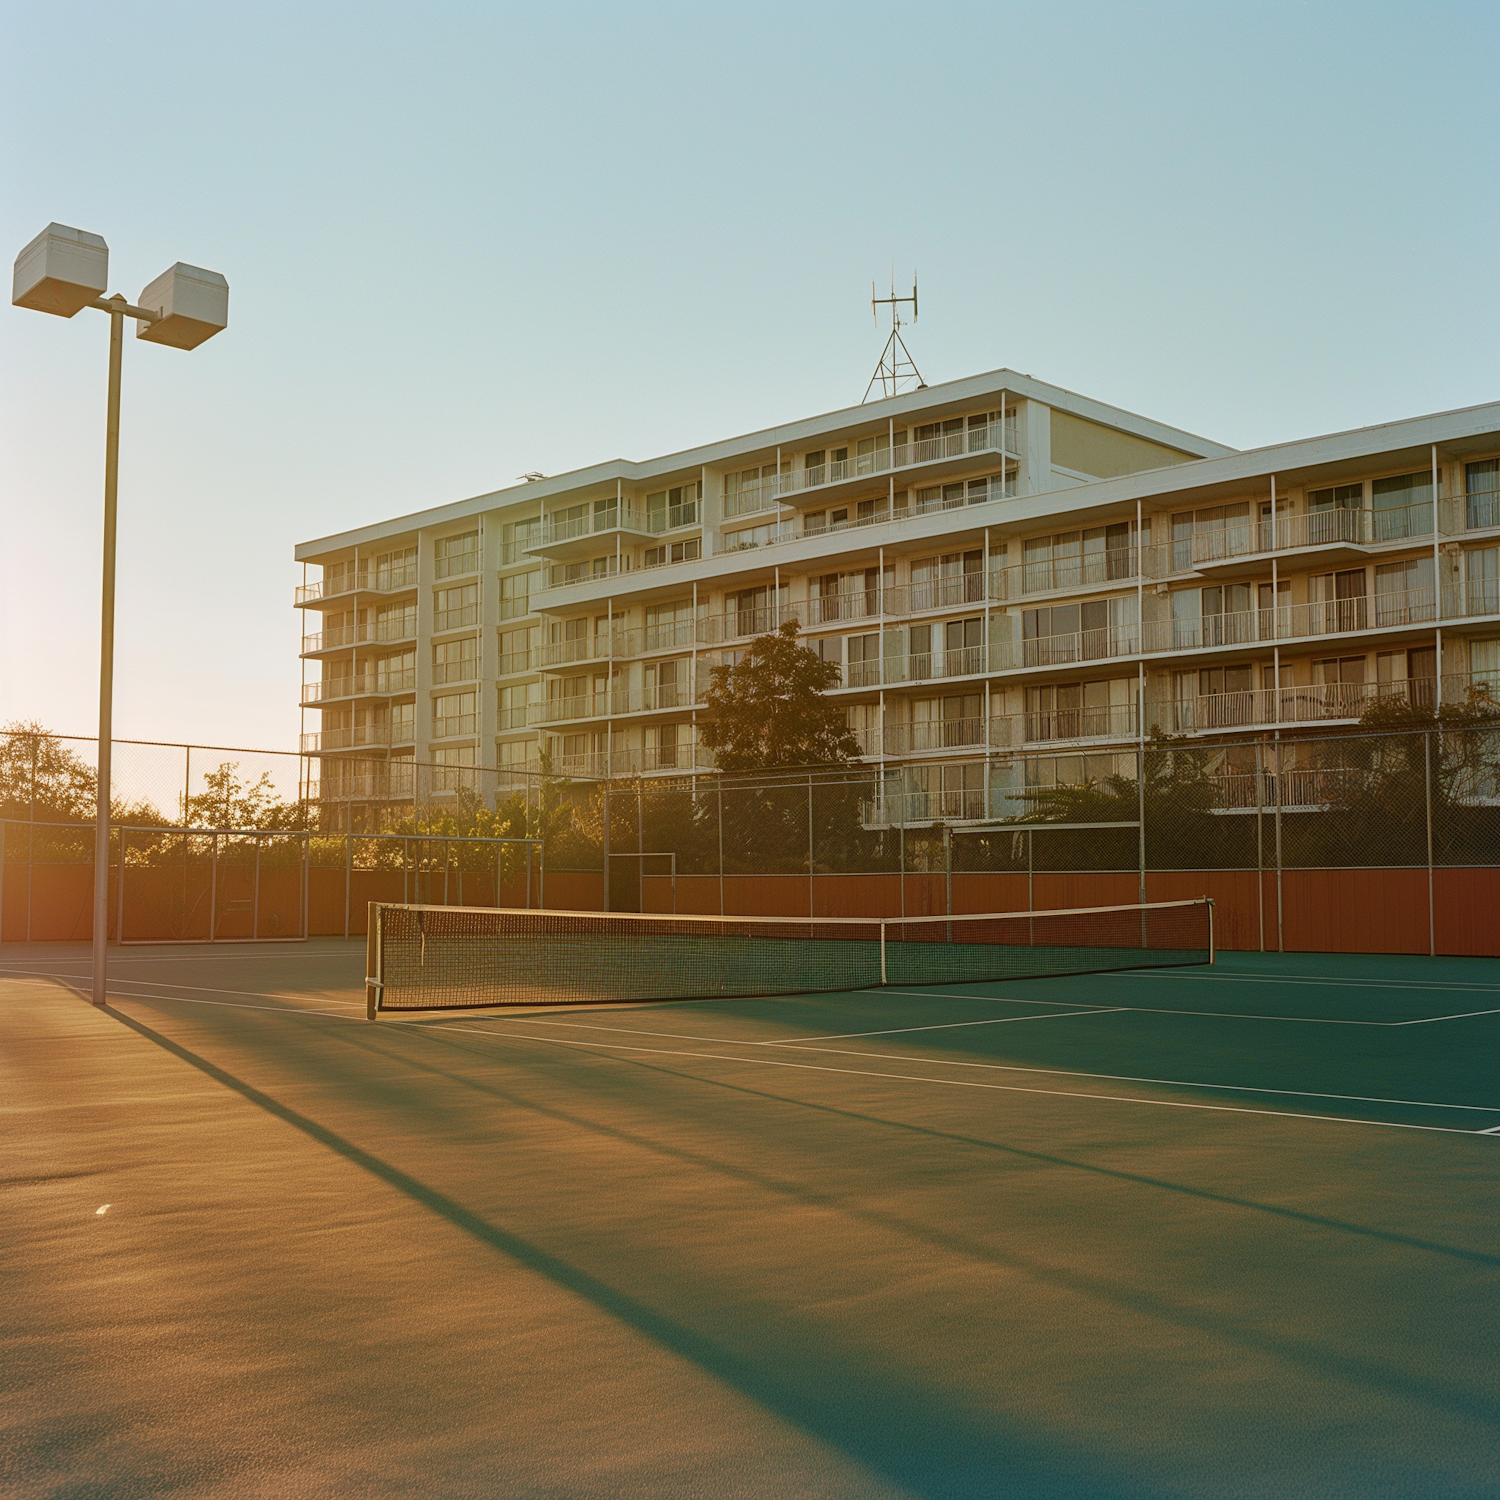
x: 230, y: 801
x: 768, y: 712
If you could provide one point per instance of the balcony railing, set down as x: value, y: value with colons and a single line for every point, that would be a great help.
x: 454, y: 724
x: 597, y: 764
x: 614, y: 701
x: 1315, y: 702
x: 898, y: 809
x: 371, y: 580
x: 352, y: 635
x: 1000, y: 731
x: 353, y: 737
x: 454, y: 671
x: 607, y: 518
x: 1320, y: 528
x: 1482, y: 509
x: 392, y: 782
x: 512, y: 607
x: 750, y: 499
x: 361, y: 685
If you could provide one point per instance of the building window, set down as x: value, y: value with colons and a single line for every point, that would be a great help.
x: 516, y: 537
x: 456, y: 554
x: 753, y: 489
x: 1482, y: 483
x: 453, y: 768
x: 455, y: 608
x: 515, y: 705
x: 667, y: 509
x: 453, y: 713
x: 515, y: 594
x: 673, y: 552
x: 395, y: 622
x: 1402, y: 506
x: 455, y: 661
x: 1403, y: 592
x: 396, y: 674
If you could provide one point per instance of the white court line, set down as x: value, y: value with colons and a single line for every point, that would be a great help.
x: 1182, y: 1083
x: 1236, y: 978
x: 1155, y: 1010
x: 1462, y: 1016
x: 202, y: 989
x: 843, y: 1036
x: 964, y: 1083
x: 917, y: 1078
x: 279, y: 951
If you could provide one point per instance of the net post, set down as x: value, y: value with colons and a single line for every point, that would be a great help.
x: 883, y: 978
x: 1212, y: 950
x: 373, y: 976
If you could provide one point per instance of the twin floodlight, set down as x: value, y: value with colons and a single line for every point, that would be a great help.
x: 64, y: 270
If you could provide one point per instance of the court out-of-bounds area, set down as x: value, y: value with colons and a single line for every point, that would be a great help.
x: 1203, y: 1231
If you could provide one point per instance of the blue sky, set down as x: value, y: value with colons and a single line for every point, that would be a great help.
x: 466, y: 242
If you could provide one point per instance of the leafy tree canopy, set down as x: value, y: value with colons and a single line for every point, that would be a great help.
x: 229, y: 800
x: 768, y: 712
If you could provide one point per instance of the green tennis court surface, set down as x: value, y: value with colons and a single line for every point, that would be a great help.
x: 1226, y: 1231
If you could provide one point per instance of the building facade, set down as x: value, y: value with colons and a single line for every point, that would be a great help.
x: 1018, y: 585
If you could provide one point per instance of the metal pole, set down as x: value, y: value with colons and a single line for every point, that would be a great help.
x: 107, y: 654
x: 1260, y: 848
x: 719, y: 791
x: 348, y: 877
x: 605, y: 842
x: 809, y: 845
x: 1427, y: 787
x: 1278, y: 784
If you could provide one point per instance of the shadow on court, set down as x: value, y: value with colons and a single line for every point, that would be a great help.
x: 464, y: 1258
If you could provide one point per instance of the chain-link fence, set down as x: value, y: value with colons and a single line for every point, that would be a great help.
x: 1002, y: 832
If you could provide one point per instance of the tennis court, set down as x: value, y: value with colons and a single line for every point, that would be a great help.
x: 1190, y: 1231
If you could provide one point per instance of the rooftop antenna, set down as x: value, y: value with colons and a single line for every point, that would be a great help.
x: 896, y: 364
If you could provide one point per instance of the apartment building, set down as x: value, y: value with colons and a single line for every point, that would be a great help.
x: 1017, y: 583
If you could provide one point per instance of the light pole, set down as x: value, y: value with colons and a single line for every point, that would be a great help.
x: 62, y: 271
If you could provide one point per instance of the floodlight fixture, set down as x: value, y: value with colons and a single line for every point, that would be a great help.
x: 62, y: 271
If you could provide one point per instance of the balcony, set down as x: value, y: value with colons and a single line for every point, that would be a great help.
x: 903, y: 809
x: 1317, y: 702
x: 614, y: 702
x: 1377, y: 611
x: 453, y: 725
x: 1349, y: 532
x: 598, y: 764
x: 338, y: 637
x: 366, y: 581
x: 354, y: 737
x: 564, y: 535
x: 360, y: 685
x: 454, y: 671
x: 765, y: 495
x: 391, y: 781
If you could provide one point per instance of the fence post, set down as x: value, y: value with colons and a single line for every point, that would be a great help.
x: 1278, y: 790
x: 1260, y: 851
x: 809, y: 844
x: 719, y: 794
x: 606, y: 844
x: 1427, y: 788
x: 1140, y: 817
x: 348, y: 877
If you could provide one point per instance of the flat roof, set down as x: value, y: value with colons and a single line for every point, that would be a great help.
x: 932, y: 402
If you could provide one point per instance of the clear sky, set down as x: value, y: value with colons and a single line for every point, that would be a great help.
x: 464, y: 242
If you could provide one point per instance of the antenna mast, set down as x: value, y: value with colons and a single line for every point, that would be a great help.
x: 896, y: 364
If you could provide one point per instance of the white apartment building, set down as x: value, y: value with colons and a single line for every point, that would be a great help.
x: 1017, y: 583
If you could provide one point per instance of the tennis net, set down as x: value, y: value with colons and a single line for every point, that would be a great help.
x: 456, y: 957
